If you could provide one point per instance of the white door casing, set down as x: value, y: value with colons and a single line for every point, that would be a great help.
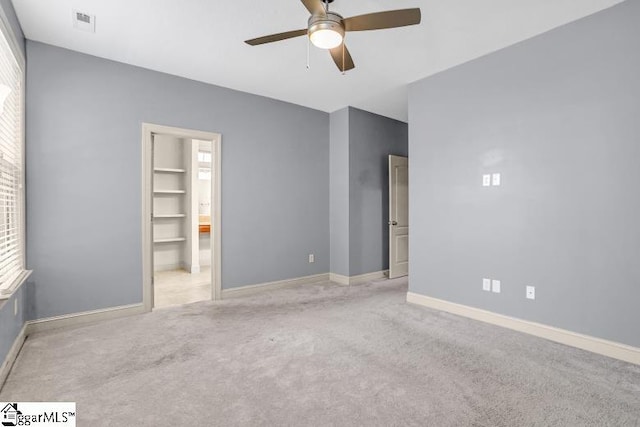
x: 148, y: 130
x: 398, y: 216
x: 148, y: 290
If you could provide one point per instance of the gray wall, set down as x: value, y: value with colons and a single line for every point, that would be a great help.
x: 339, y: 184
x: 11, y: 325
x: 359, y: 174
x: 371, y: 139
x: 84, y: 118
x: 557, y: 115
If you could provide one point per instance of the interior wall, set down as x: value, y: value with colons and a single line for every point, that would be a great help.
x: 372, y: 138
x: 10, y: 324
x: 204, y: 197
x: 359, y: 179
x: 339, y: 200
x: 84, y: 118
x: 557, y: 116
x: 204, y: 207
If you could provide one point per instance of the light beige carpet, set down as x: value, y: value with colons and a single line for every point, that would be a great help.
x: 320, y: 355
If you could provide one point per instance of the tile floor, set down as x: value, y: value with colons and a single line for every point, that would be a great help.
x: 176, y: 287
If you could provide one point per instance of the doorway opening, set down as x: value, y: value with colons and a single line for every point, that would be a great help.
x: 181, y: 216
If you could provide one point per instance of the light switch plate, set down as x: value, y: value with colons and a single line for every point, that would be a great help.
x: 495, y: 179
x: 531, y: 292
x: 486, y: 285
x: 486, y: 180
x: 312, y: 258
x: 495, y: 286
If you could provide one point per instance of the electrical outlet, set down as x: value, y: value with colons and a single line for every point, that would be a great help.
x: 15, y: 307
x: 486, y: 180
x: 531, y: 292
x: 486, y: 285
x: 495, y: 286
x: 312, y: 258
x: 495, y: 179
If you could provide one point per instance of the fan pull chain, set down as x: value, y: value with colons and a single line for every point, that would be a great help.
x: 308, y: 47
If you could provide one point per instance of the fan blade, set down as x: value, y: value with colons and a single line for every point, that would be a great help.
x: 342, y: 58
x: 276, y: 37
x: 315, y: 7
x: 382, y: 20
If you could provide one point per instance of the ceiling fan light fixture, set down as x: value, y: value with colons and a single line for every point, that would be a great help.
x: 326, y: 32
x: 326, y: 29
x: 326, y: 39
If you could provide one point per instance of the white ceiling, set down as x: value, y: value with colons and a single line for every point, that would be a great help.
x: 203, y: 40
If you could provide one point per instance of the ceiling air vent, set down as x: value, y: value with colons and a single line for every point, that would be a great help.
x: 84, y: 22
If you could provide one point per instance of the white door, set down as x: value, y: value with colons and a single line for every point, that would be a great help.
x: 398, y: 216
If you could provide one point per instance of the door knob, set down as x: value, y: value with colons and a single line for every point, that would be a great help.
x: 393, y: 222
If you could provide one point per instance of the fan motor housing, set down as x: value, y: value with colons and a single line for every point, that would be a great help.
x: 330, y: 21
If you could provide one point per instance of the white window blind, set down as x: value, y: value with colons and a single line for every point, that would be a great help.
x: 11, y: 170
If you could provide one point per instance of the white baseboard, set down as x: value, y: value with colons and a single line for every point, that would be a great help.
x: 585, y: 342
x: 12, y: 355
x: 252, y: 289
x: 361, y: 278
x: 193, y: 268
x: 82, y: 318
x: 169, y: 267
x: 63, y: 321
x: 339, y: 279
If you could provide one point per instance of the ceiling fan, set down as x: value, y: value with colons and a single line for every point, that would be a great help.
x: 326, y: 29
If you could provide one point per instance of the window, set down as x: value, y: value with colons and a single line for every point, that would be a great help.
x: 204, y: 157
x: 12, y: 264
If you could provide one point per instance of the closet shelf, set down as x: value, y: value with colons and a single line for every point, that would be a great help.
x: 169, y: 170
x: 170, y: 240
x: 170, y: 216
x: 169, y: 191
